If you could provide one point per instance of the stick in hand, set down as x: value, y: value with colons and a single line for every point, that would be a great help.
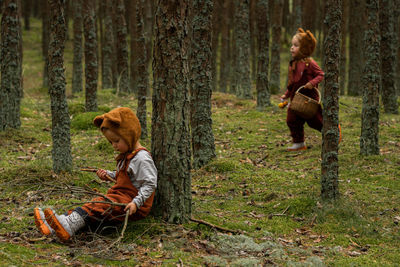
x: 95, y: 170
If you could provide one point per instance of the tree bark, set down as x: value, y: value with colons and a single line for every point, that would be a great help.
x: 201, y: 84
x: 170, y: 122
x: 78, y: 48
x: 61, y: 152
x: 122, y: 47
x: 275, y: 82
x: 343, y: 47
x: 330, y: 132
x: 142, y: 81
x: 216, y: 17
x: 108, y: 47
x: 369, y: 144
x: 134, y: 45
x: 263, y: 94
x: 91, y: 65
x: 388, y: 57
x: 11, y: 66
x: 356, y: 59
x: 242, y: 56
x: 45, y: 41
x: 26, y: 10
x: 224, y: 64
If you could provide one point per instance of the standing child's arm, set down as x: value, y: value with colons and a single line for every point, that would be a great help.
x: 317, y: 74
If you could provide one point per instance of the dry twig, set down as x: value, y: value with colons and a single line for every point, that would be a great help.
x: 214, y: 226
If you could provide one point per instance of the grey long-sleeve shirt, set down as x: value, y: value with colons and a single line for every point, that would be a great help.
x: 143, y: 175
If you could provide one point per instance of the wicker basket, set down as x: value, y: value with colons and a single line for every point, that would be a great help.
x: 304, y: 106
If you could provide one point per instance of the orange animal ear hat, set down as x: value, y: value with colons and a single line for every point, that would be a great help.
x: 307, y: 42
x: 123, y: 122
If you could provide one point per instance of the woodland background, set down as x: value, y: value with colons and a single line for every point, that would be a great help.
x: 225, y: 61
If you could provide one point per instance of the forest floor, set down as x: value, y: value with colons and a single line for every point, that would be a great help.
x: 266, y: 200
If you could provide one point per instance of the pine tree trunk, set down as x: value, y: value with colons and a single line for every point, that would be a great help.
x: 61, y: 152
x: 388, y: 56
x: 122, y: 47
x: 343, y: 47
x: 142, y: 75
x: 369, y: 144
x: 45, y: 41
x: 91, y: 65
x: 26, y: 10
x: 297, y: 15
x: 170, y: 122
x: 108, y: 47
x: 214, y: 45
x: 397, y: 46
x: 242, y: 46
x: 308, y: 19
x: 253, y: 39
x: 263, y: 94
x: 148, y: 15
x: 201, y: 84
x: 356, y: 59
x: 11, y: 66
x: 225, y: 49
x: 275, y: 82
x: 330, y: 132
x: 78, y: 48
x: 133, y: 45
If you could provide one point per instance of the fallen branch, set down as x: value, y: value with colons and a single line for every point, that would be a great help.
x: 279, y: 214
x: 214, y: 226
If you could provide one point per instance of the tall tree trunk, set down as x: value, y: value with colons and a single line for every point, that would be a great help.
x: 253, y: 39
x: 45, y: 41
x: 122, y: 47
x: 200, y: 103
x: 170, y: 122
x: 66, y: 16
x: 388, y: 56
x: 343, y: 47
x: 78, y: 48
x: 142, y: 75
x: 108, y: 47
x: 297, y: 15
x: 225, y: 49
x: 369, y: 144
x: 11, y: 66
x: 242, y: 38
x: 91, y: 65
x: 214, y: 45
x: 135, y: 38
x: 356, y: 30
x: 36, y: 8
x: 397, y: 46
x: 26, y: 10
x: 148, y: 15
x: 61, y: 152
x: 275, y: 82
x: 308, y: 19
x: 263, y: 94
x: 330, y: 132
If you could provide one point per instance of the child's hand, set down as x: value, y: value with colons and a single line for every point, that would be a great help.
x: 308, y: 86
x: 102, y: 174
x: 131, y: 207
x: 283, y: 97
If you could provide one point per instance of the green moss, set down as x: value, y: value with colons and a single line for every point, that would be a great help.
x: 84, y: 121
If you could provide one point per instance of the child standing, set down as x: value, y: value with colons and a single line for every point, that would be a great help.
x: 136, y: 181
x: 303, y: 71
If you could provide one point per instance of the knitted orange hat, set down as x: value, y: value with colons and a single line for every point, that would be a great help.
x: 123, y: 122
x: 307, y: 42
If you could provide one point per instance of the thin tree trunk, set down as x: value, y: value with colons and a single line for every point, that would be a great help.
x: 77, y: 69
x: 122, y: 47
x: 45, y: 41
x: 308, y: 19
x: 263, y: 94
x: 388, y: 57
x: 61, y: 152
x: 142, y: 81
x: 343, y: 47
x: 356, y: 47
x: 253, y: 39
x: 91, y: 65
x: 170, y: 122
x: 275, y: 81
x: 108, y: 47
x: 225, y: 49
x: 26, y: 10
x: 330, y: 132
x: 242, y: 38
x: 216, y: 16
x: 11, y: 66
x: 369, y: 140
x: 134, y: 45
x: 201, y: 84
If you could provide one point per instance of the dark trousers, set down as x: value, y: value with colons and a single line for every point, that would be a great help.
x: 296, y: 124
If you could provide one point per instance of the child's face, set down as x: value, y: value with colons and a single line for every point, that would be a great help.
x: 116, y: 141
x: 295, y: 48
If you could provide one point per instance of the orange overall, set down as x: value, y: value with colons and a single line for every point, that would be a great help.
x: 122, y: 192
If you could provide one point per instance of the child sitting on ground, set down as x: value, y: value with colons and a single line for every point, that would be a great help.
x: 136, y: 181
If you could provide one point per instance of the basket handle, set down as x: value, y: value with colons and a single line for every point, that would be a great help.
x: 315, y: 88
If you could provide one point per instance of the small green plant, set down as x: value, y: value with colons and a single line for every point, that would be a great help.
x: 84, y: 121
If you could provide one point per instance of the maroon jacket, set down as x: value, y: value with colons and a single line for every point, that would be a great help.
x: 305, y: 71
